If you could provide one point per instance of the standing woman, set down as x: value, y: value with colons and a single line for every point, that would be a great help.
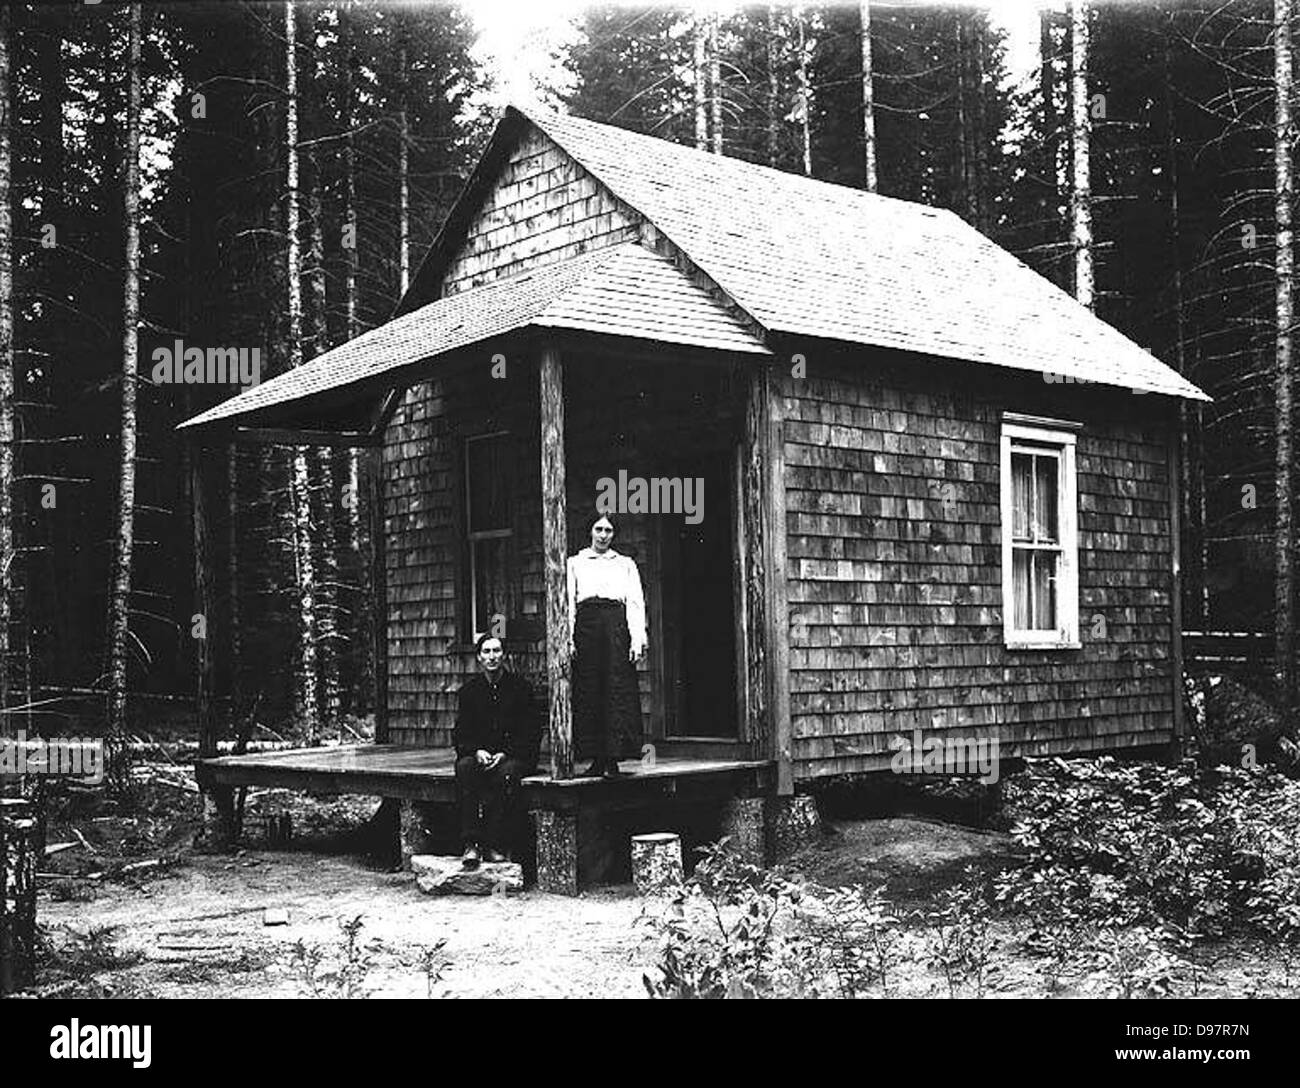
x: 607, y: 638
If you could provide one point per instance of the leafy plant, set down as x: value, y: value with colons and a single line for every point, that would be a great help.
x: 737, y: 930
x: 717, y: 938
x: 341, y: 976
x: 1133, y: 963
x: 851, y: 935
x: 1194, y: 852
x: 434, y: 961
x: 961, y: 943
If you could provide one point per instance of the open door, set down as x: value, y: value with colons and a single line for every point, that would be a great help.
x: 699, y: 610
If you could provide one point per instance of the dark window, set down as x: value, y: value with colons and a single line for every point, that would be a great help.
x: 488, y: 521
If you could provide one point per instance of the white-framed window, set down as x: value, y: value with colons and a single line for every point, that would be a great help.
x: 489, y: 528
x: 1040, y: 534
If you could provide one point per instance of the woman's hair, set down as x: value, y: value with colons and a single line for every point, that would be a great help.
x: 599, y: 516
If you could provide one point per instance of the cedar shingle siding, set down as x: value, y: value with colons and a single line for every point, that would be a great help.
x: 543, y: 208
x: 895, y: 580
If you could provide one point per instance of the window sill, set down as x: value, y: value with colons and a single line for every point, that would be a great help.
x: 1055, y: 644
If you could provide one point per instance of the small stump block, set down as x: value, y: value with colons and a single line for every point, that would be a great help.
x: 656, y: 863
x: 557, y: 852
x: 279, y: 829
x: 743, y: 822
x: 448, y: 876
x: 793, y: 823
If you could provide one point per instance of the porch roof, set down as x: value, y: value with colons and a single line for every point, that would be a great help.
x: 624, y: 290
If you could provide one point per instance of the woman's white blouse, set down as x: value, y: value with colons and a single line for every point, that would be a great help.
x: 614, y: 577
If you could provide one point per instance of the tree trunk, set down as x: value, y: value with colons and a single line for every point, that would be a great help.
x: 700, y: 65
x: 351, y: 299
x: 366, y: 613
x: 1080, y: 138
x: 233, y: 584
x: 965, y: 155
x: 715, y: 84
x: 1192, y: 477
x: 203, y: 603
x: 327, y: 591
x: 7, y: 553
x: 979, y: 119
x: 805, y: 98
x: 403, y: 168
x: 119, y: 597
x: 773, y: 89
x: 299, y: 511
x: 1047, y: 85
x: 1283, y: 134
x: 868, y: 100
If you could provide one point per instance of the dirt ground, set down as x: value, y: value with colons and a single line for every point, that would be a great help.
x: 199, y: 932
x: 133, y: 911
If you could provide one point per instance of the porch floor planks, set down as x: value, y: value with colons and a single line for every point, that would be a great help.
x: 428, y: 774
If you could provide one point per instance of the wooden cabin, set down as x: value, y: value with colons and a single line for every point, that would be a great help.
x: 938, y: 494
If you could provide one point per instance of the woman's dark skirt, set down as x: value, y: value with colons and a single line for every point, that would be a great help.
x: 606, y: 701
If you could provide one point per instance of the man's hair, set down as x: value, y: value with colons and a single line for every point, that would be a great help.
x: 484, y: 637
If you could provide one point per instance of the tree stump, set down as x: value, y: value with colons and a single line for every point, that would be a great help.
x: 743, y: 827
x: 656, y: 863
x: 557, y: 851
x: 17, y: 895
x: 279, y: 829
x: 220, y: 830
x: 412, y: 837
x: 793, y: 823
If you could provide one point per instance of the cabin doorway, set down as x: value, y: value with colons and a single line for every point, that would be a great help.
x: 699, y: 609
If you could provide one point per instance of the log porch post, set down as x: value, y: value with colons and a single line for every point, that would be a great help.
x: 555, y: 554
x: 753, y: 545
x: 778, y: 613
x: 374, y: 471
x: 766, y: 611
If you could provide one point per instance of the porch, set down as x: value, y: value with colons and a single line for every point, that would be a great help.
x: 571, y: 825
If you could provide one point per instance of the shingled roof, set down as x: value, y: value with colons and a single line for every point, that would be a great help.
x: 794, y: 257
x: 623, y: 290
x: 808, y: 258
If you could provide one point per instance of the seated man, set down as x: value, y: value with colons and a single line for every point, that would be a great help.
x: 497, y: 737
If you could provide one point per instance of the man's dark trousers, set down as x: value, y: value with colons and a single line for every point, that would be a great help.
x: 487, y: 799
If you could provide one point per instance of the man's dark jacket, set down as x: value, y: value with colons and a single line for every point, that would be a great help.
x: 505, y: 720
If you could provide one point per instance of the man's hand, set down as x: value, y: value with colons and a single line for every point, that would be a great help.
x: 484, y: 757
x: 493, y: 760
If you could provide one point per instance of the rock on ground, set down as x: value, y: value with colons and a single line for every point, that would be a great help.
x: 436, y: 875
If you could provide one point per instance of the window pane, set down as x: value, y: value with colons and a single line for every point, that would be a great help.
x: 1045, y: 591
x: 1021, y: 468
x: 1020, y: 588
x: 1045, y: 509
x: 489, y: 506
x: 489, y: 581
